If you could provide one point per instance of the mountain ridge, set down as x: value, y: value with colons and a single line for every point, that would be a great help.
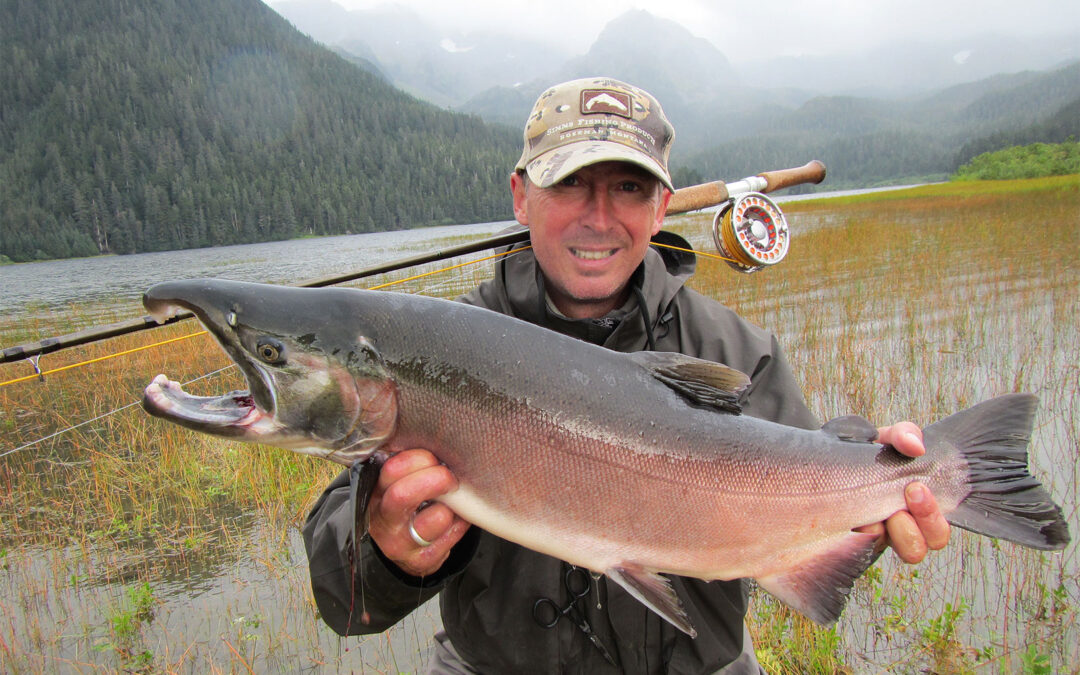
x: 183, y: 123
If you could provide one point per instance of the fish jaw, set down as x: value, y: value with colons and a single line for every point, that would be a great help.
x: 301, y: 396
x: 231, y: 415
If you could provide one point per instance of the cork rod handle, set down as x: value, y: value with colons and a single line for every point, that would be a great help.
x: 705, y: 195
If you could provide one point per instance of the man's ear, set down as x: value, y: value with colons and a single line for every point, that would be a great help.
x: 665, y: 198
x: 517, y: 189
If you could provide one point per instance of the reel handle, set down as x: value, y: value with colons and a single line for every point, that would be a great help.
x: 706, y: 195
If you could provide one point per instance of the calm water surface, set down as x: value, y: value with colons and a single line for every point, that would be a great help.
x: 54, y: 284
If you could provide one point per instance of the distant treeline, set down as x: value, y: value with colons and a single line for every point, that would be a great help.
x: 866, y: 142
x: 1028, y: 161
x: 129, y: 126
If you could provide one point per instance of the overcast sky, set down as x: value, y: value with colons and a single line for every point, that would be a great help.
x: 740, y: 28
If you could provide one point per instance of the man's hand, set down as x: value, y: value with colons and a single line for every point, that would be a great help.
x: 922, y: 527
x: 406, y: 481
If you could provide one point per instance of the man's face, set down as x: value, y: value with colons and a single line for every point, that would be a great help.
x: 590, y: 232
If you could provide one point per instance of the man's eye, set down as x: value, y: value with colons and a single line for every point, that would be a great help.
x: 570, y: 181
x: 630, y: 186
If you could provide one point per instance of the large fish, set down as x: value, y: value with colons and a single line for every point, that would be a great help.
x: 628, y: 464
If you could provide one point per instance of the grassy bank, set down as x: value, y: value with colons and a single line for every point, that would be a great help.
x: 1023, y: 161
x: 130, y: 544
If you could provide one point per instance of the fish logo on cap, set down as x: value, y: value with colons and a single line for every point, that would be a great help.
x: 605, y: 101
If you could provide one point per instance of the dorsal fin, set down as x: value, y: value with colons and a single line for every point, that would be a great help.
x: 703, y: 383
x: 851, y: 428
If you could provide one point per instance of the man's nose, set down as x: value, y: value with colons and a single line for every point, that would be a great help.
x: 599, y: 215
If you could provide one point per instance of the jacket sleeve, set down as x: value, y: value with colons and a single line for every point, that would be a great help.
x: 380, y: 591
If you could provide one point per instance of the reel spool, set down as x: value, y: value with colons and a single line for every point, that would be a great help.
x: 751, y: 232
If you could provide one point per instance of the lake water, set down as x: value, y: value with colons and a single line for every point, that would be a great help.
x: 55, y: 284
x: 87, y: 281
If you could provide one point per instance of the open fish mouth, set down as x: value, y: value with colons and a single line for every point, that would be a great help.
x: 228, y: 414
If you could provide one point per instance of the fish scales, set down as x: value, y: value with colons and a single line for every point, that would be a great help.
x: 632, y: 465
x: 487, y: 394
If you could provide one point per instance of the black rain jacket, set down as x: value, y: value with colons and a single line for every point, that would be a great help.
x: 489, y: 585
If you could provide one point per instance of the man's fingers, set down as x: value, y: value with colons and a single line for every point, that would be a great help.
x: 408, y: 481
x: 402, y: 464
x: 905, y: 537
x: 432, y: 522
x: 405, y: 496
x: 921, y: 528
x: 905, y: 437
x: 927, y: 516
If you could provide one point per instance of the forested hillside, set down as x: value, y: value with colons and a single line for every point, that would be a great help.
x: 136, y: 126
x: 866, y: 142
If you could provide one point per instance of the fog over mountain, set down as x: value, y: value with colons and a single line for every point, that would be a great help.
x: 443, y: 68
x: 905, y: 108
x: 885, y: 49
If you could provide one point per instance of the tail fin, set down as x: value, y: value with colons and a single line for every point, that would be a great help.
x: 1005, y: 500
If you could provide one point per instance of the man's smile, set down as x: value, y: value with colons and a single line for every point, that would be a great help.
x: 593, y: 255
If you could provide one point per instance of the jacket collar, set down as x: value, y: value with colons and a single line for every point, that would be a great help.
x: 518, y: 290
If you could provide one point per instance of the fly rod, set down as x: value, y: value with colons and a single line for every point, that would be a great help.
x: 686, y: 199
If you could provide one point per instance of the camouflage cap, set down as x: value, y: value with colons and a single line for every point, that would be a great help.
x: 596, y: 119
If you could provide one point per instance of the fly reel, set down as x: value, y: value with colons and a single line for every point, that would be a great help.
x: 751, y: 232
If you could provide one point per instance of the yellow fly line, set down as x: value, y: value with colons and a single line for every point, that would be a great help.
x: 448, y: 269
x: 690, y: 250
x: 373, y: 288
x: 100, y: 358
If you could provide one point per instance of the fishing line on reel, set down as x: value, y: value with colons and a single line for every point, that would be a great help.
x: 752, y: 232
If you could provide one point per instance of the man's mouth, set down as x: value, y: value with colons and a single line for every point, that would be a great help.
x: 593, y: 255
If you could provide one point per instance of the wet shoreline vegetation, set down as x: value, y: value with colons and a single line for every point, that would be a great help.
x: 129, y: 544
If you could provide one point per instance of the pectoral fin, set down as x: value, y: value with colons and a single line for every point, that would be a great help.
x: 655, y: 592
x: 363, y: 477
x: 819, y: 587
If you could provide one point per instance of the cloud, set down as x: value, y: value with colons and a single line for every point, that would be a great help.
x: 448, y: 45
x: 744, y: 31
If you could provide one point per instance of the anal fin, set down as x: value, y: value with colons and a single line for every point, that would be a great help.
x: 819, y: 587
x: 655, y: 592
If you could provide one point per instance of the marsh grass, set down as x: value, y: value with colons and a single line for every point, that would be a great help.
x: 129, y: 544
x: 912, y: 305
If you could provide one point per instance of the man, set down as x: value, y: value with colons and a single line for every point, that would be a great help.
x: 592, y: 186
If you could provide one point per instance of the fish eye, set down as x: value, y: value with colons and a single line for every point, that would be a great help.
x: 270, y: 350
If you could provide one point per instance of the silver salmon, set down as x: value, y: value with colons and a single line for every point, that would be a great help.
x: 634, y: 465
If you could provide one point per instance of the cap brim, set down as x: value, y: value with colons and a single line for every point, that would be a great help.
x: 555, y: 165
